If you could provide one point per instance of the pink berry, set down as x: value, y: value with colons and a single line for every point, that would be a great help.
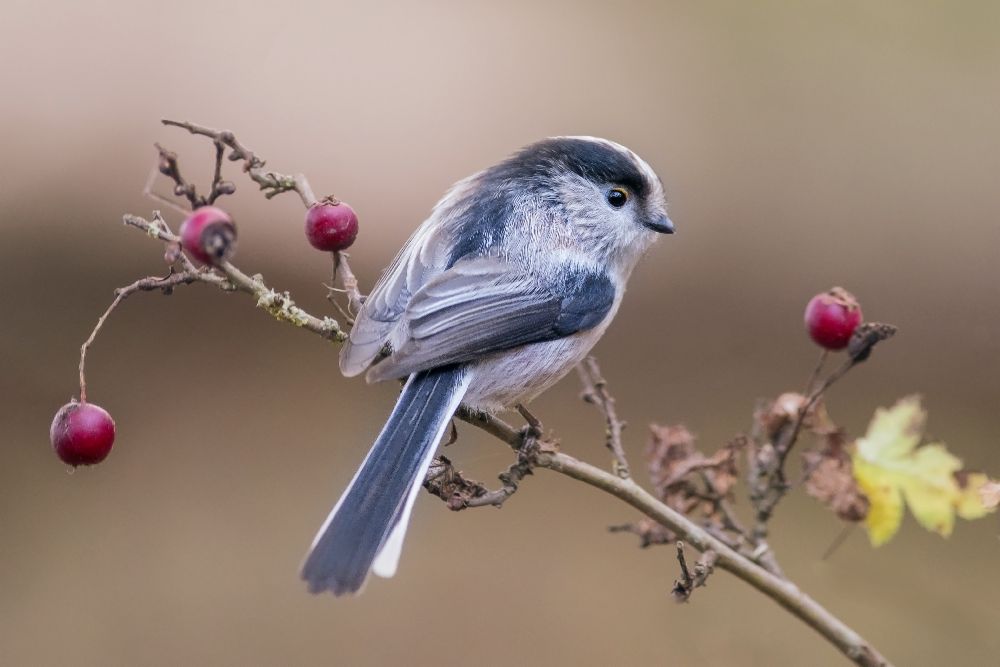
x: 331, y: 225
x: 832, y: 317
x: 82, y: 433
x: 209, y: 235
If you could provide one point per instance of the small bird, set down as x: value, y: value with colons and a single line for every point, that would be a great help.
x: 506, y: 287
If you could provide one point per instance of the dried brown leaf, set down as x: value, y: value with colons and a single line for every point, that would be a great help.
x: 830, y: 480
x: 781, y: 412
x: 784, y: 411
x: 687, y: 480
x: 669, y: 454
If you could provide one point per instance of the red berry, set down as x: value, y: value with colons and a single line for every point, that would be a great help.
x: 331, y: 225
x: 82, y: 433
x: 832, y: 317
x: 209, y: 235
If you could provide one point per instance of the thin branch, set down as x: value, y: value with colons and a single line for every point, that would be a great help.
x: 229, y: 278
x: 182, y: 188
x: 650, y: 533
x: 770, y: 485
x: 782, y: 591
x: 595, y: 392
x: 271, y: 183
x: 862, y: 342
x: 703, y: 568
x: 756, y: 549
x: 731, y: 521
x: 220, y: 187
x: 459, y: 493
x: 823, y: 356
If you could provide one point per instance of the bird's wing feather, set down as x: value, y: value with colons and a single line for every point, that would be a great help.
x: 485, y: 305
x: 410, y: 270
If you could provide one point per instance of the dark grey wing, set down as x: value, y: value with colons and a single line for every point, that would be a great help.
x: 484, y: 305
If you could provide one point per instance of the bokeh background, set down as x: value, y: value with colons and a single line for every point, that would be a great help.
x: 802, y: 145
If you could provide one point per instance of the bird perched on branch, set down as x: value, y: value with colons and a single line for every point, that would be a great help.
x: 497, y: 295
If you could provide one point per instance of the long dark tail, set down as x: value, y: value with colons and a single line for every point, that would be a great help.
x: 365, y: 530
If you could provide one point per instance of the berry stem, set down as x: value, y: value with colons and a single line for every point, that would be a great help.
x: 90, y: 341
x: 342, y: 270
x: 143, y: 285
x: 823, y: 355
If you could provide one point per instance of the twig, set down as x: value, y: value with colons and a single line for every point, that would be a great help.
x: 862, y: 342
x: 732, y: 522
x: 769, y: 486
x: 168, y: 167
x: 595, y: 392
x: 703, y: 568
x: 271, y: 183
x: 756, y: 549
x: 782, y: 591
x: 650, y: 532
x: 219, y: 186
x: 279, y: 304
x: 459, y: 493
x: 817, y: 370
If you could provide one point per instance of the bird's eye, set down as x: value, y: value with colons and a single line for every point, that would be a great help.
x: 617, y: 197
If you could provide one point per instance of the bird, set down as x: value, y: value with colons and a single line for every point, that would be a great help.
x: 501, y: 291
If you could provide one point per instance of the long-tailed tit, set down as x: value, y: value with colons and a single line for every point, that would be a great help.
x: 500, y: 292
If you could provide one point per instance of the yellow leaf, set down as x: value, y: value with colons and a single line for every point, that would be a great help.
x: 927, y: 479
x: 890, y: 466
x: 885, y: 511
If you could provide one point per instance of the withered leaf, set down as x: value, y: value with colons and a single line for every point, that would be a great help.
x: 676, y: 466
x: 784, y: 411
x: 669, y: 453
x: 830, y: 479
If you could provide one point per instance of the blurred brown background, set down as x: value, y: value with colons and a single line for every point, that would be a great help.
x: 831, y: 142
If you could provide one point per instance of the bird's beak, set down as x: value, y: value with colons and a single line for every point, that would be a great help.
x: 662, y: 224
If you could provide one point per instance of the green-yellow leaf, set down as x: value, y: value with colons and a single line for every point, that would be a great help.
x: 890, y: 466
x: 885, y: 510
